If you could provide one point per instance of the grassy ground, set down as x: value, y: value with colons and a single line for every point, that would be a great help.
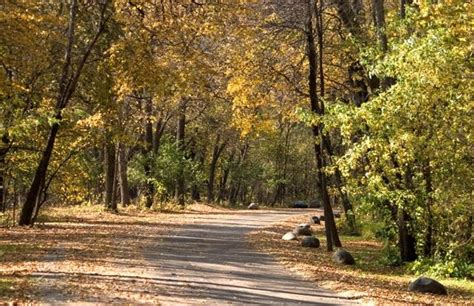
x: 368, y: 279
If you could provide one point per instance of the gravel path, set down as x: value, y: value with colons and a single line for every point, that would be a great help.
x: 209, y: 262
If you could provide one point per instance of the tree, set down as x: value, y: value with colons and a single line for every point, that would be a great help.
x: 67, y: 85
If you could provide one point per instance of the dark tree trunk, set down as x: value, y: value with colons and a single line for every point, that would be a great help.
x: 332, y: 236
x: 379, y: 20
x: 180, y: 134
x: 407, y: 242
x: 218, y: 148
x: 149, y: 157
x: 123, y: 166
x: 109, y: 169
x: 224, y: 178
x: 160, y: 127
x: 403, y: 5
x: 4, y: 148
x: 428, y: 248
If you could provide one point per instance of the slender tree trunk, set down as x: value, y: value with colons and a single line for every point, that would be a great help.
x: 224, y: 178
x: 428, y: 250
x: 379, y: 20
x: 109, y: 170
x: 332, y: 236
x: 149, y: 156
x: 218, y: 148
x: 407, y: 242
x: 123, y: 168
x: 4, y: 148
x: 180, y: 134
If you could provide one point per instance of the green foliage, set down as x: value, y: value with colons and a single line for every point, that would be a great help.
x: 165, y: 168
x: 454, y: 267
x: 409, y: 146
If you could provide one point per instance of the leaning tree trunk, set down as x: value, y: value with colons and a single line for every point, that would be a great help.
x: 332, y: 236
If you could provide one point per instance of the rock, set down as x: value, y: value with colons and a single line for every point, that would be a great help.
x: 314, y: 220
x: 310, y: 242
x: 289, y: 236
x: 343, y: 257
x: 253, y: 206
x: 299, y: 204
x: 321, y: 218
x: 337, y: 215
x: 303, y: 230
x: 427, y: 285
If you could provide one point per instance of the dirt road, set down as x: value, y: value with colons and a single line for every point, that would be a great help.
x: 209, y: 262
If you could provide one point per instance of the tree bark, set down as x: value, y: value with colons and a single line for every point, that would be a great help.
x: 379, y: 20
x: 218, y: 148
x: 109, y: 169
x: 428, y: 247
x: 4, y: 148
x: 180, y: 134
x: 407, y: 242
x: 123, y: 168
x: 332, y: 236
x: 148, y: 153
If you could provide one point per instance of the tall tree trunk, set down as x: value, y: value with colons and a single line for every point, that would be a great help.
x: 428, y: 248
x: 123, y: 167
x: 218, y: 148
x: 407, y: 242
x: 379, y: 20
x: 180, y: 134
x: 149, y: 156
x: 4, y: 148
x: 224, y: 178
x: 332, y: 236
x: 109, y: 169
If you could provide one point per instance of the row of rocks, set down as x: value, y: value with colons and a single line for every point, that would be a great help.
x: 343, y: 257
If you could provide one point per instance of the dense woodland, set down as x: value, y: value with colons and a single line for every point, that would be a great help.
x: 364, y: 105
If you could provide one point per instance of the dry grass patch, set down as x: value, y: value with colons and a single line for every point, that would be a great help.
x: 367, y: 280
